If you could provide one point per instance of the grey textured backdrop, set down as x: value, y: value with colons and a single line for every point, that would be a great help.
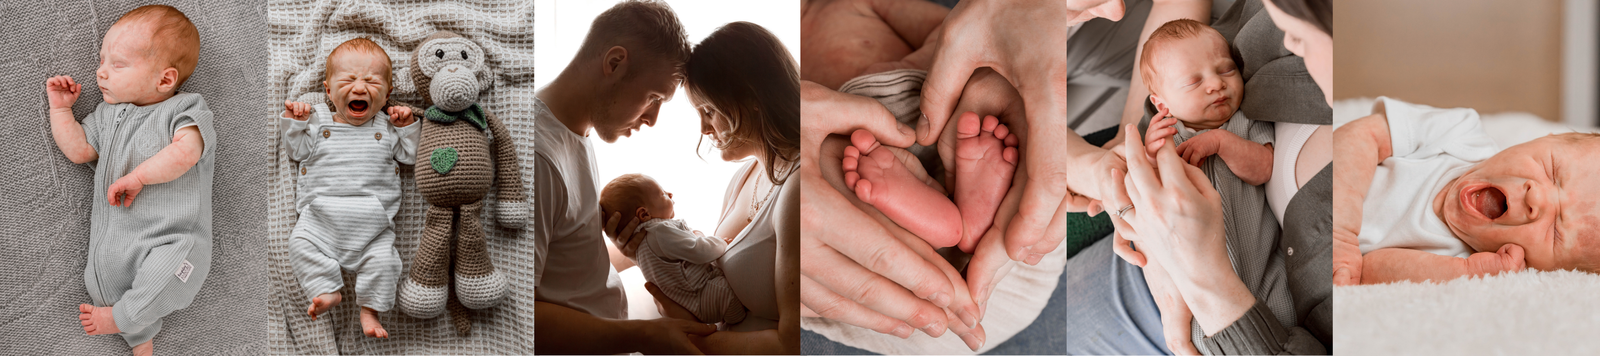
x: 44, y: 198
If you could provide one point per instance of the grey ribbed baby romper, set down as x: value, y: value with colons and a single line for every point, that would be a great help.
x: 347, y: 195
x: 150, y: 259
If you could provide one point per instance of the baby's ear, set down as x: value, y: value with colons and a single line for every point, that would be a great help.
x: 642, y: 214
x: 1160, y: 104
x: 169, y: 80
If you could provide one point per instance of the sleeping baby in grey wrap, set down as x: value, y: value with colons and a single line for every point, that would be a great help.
x: 673, y: 257
x: 151, y: 142
x: 348, y: 190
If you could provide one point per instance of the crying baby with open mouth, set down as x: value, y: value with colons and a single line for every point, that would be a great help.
x: 1423, y: 194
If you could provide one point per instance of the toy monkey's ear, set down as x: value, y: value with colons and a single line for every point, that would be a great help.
x: 486, y: 77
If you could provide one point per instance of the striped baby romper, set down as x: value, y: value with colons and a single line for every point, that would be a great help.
x: 680, y: 261
x: 148, y: 260
x: 347, y: 195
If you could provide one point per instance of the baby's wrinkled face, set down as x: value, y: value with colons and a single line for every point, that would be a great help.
x: 129, y: 71
x: 657, y: 202
x: 1197, y: 81
x: 1539, y: 195
x: 358, y: 85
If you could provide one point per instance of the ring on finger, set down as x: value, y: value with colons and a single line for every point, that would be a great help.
x: 1122, y: 212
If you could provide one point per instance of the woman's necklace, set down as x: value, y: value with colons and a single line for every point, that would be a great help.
x: 755, y: 205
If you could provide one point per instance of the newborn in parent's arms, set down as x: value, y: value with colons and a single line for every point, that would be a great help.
x: 1191, y: 75
x: 1443, y: 204
x: 677, y: 259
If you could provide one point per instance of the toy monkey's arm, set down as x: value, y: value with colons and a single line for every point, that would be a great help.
x: 512, y: 208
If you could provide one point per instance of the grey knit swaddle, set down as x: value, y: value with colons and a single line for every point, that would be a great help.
x: 1251, y: 228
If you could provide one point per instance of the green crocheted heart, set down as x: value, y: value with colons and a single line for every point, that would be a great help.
x: 443, y: 159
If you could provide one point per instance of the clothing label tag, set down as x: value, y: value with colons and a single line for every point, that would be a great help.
x: 183, y: 271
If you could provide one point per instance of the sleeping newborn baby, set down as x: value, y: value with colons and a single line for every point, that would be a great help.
x: 349, y: 186
x: 1436, y: 202
x: 677, y: 259
x: 151, y: 142
x: 1190, y: 74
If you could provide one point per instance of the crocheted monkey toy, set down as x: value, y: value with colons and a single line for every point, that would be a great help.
x: 456, y: 159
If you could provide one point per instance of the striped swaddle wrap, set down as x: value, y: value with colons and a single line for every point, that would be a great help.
x: 682, y: 263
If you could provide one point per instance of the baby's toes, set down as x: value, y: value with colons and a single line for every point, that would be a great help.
x: 1001, y: 132
x: 990, y: 122
x: 864, y: 141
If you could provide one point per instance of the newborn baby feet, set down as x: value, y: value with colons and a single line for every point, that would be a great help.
x: 878, y: 178
x: 322, y: 303
x: 986, y: 159
x: 370, y: 325
x: 97, y: 320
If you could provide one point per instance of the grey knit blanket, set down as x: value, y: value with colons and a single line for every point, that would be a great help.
x: 300, y: 36
x: 44, y: 220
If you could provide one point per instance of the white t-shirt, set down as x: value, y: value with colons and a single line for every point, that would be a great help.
x: 570, y: 263
x: 1432, y: 146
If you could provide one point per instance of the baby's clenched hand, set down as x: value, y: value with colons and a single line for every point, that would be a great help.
x: 62, y: 91
x: 1508, y: 259
x: 296, y: 110
x: 1206, y: 144
x: 123, y: 190
x: 1160, y: 132
x: 400, y: 116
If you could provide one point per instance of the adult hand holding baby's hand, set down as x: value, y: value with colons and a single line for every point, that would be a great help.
x: 400, y: 116
x: 123, y: 190
x: 1160, y: 132
x: 296, y: 110
x: 62, y: 91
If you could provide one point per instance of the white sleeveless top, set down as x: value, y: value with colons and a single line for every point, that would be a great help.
x: 750, y: 263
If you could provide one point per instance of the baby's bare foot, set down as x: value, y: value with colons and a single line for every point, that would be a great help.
x: 878, y: 178
x: 97, y: 320
x: 145, y: 349
x: 986, y: 159
x: 370, y: 325
x: 322, y: 303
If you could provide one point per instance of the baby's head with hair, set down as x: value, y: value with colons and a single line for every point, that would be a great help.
x: 1190, y: 73
x: 636, y: 196
x: 147, y: 55
x: 1540, y: 195
x: 360, y: 77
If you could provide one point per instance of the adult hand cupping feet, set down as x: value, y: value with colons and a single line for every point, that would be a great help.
x: 1006, y: 38
x: 856, y: 270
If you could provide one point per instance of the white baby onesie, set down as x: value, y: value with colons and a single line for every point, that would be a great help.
x: 679, y: 261
x: 1432, y: 146
x: 347, y: 195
